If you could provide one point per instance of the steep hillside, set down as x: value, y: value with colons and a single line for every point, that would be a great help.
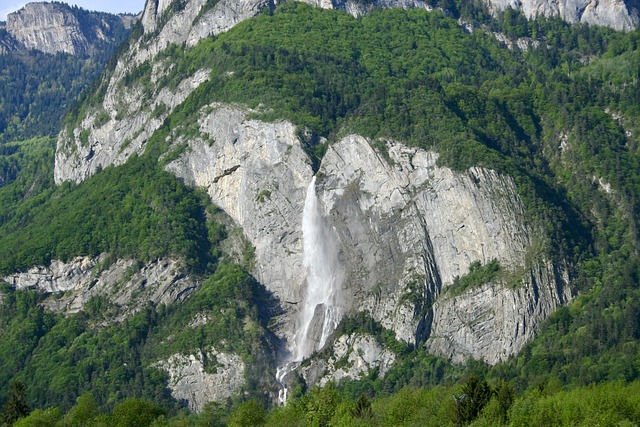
x: 310, y: 197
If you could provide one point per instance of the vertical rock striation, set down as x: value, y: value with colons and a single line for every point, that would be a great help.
x: 409, y: 227
x: 56, y: 27
x: 258, y: 174
x: 404, y: 227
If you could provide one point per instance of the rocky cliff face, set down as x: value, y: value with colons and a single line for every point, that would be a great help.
x: 125, y: 283
x: 56, y: 27
x: 191, y: 382
x: 617, y: 14
x: 400, y: 215
x: 406, y: 229
x: 352, y: 357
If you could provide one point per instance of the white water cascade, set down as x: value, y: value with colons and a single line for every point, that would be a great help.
x: 320, y: 311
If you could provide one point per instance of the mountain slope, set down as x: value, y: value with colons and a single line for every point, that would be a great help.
x: 469, y: 191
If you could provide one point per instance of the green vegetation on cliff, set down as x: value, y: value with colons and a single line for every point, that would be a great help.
x: 136, y: 210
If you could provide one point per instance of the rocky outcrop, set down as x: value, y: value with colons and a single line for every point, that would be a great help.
x: 359, y: 8
x: 133, y: 114
x: 617, y: 14
x: 125, y: 283
x: 133, y: 111
x: 50, y: 28
x: 406, y: 229
x: 79, y: 155
x: 56, y: 27
x: 494, y: 321
x: 352, y: 357
x: 190, y: 381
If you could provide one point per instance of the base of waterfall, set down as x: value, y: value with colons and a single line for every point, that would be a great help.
x: 352, y: 357
x: 283, y: 377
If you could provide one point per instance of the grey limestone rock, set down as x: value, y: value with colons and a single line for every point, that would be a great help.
x: 47, y: 27
x: 617, y: 14
x: 406, y: 229
x: 56, y: 27
x: 494, y: 321
x: 114, y: 141
x: 352, y: 357
x: 190, y: 381
x: 257, y: 173
x: 124, y: 283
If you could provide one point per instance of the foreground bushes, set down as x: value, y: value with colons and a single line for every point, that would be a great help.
x: 609, y: 404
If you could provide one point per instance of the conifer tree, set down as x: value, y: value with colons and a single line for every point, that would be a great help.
x: 16, y: 406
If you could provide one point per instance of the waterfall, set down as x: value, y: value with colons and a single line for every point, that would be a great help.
x: 320, y: 312
x: 319, y: 316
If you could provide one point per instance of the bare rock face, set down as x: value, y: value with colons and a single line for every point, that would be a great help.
x: 190, y: 381
x: 123, y: 282
x: 132, y: 113
x: 406, y: 228
x: 352, y: 357
x: 114, y: 140
x: 357, y: 8
x: 257, y: 173
x: 56, y: 27
x: 494, y: 321
x: 50, y: 28
x: 618, y: 14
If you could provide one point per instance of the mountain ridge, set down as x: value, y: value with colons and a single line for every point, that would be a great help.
x: 57, y: 27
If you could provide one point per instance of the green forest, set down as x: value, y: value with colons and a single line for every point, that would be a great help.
x: 410, y: 75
